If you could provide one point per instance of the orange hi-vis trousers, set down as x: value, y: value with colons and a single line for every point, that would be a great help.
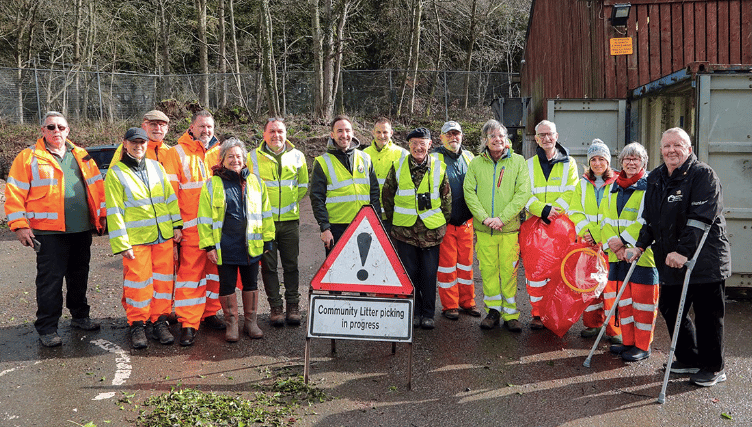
x: 147, y: 282
x: 638, y: 310
x: 595, y: 313
x: 196, y: 287
x: 455, y: 275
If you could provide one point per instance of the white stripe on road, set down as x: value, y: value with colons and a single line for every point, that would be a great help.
x: 122, y: 361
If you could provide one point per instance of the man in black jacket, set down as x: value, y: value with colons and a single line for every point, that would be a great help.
x: 684, y: 195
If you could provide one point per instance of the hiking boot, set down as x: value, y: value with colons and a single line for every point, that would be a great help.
x: 616, y: 339
x: 292, y: 316
x: 451, y: 314
x: 277, y: 317
x: 536, y: 324
x: 84, y: 323
x: 513, y: 325
x: 427, y: 323
x: 473, y: 311
x: 187, y: 336
x: 707, y: 378
x: 416, y: 321
x: 619, y: 348
x: 590, y: 332
x: 51, y: 340
x: 138, y: 335
x: 492, y: 319
x: 161, y: 331
x: 214, y: 322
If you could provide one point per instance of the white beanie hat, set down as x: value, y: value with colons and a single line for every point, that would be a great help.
x: 598, y: 148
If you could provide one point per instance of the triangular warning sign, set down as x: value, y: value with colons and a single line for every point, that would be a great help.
x: 363, y: 260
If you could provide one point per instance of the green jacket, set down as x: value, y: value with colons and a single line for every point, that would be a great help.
x: 497, y: 189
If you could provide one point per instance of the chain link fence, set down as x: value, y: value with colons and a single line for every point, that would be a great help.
x: 26, y: 94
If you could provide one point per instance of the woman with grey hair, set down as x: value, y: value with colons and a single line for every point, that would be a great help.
x: 622, y: 219
x: 235, y: 227
x: 496, y: 189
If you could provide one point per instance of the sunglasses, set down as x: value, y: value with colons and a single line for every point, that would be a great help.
x: 61, y: 128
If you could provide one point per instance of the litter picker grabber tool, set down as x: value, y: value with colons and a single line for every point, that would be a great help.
x: 586, y: 363
x: 690, y: 266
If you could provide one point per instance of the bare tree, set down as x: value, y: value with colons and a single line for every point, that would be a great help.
x: 413, y: 61
x: 20, y: 37
x: 203, y: 52
x: 268, y: 64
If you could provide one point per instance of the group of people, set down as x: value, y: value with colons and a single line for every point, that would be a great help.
x: 213, y: 213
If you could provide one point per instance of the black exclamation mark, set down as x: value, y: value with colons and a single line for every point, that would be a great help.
x: 364, y: 245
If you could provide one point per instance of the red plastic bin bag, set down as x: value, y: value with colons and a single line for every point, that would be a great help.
x: 582, y: 276
x: 543, y: 246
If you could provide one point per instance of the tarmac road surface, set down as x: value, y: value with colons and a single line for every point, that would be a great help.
x: 461, y: 376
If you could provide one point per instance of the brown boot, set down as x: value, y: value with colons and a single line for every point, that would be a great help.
x: 277, y: 317
x: 230, y: 308
x: 250, y: 308
x: 293, y: 314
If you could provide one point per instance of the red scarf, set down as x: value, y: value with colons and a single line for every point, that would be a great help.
x: 625, y: 182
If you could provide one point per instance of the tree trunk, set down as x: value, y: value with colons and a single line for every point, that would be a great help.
x: 222, y: 60
x: 438, y: 59
x: 268, y: 66
x: 203, y: 53
x: 236, y: 57
x: 469, y: 54
x: 415, y: 51
x: 164, y: 31
x: 78, y: 12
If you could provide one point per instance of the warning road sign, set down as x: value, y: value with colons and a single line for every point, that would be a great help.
x: 363, y: 260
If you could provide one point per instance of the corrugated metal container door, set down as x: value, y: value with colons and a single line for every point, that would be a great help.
x: 724, y: 141
x: 579, y: 121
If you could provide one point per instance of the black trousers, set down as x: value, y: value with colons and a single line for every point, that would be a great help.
x: 422, y: 265
x: 228, y: 277
x: 62, y: 256
x: 700, y: 343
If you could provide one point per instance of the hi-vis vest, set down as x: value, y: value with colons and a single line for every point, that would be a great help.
x: 136, y: 210
x: 405, y: 200
x: 467, y: 156
x: 382, y: 162
x: 557, y: 190
x: 584, y: 210
x: 35, y: 191
x: 625, y: 226
x: 211, y: 215
x: 285, y: 190
x: 345, y: 192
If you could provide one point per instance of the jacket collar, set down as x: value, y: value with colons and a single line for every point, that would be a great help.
x: 560, y: 148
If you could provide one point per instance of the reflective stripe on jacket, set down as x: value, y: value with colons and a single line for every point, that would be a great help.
x: 258, y: 214
x: 136, y: 212
x: 497, y: 190
x: 584, y: 209
x: 35, y: 190
x: 406, y: 209
x: 382, y: 162
x: 287, y: 189
x: 557, y: 190
x: 345, y: 192
x: 625, y: 225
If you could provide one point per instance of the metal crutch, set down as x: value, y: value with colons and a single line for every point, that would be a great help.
x: 586, y: 363
x: 690, y: 266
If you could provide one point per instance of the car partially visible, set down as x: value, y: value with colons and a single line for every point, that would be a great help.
x: 102, y: 155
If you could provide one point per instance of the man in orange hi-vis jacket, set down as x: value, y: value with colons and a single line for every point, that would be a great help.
x: 197, y: 284
x: 55, y: 197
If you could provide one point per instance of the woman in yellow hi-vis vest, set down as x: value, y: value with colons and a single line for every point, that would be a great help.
x: 235, y: 227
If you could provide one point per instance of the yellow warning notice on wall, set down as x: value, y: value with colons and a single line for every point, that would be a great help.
x: 621, y: 46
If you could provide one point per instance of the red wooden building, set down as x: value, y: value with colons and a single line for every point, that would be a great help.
x: 684, y: 63
x: 567, y: 54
